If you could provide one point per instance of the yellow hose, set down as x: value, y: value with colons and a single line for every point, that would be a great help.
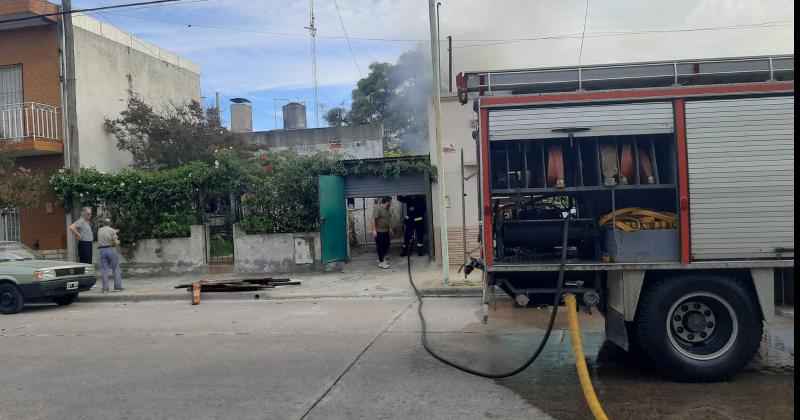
x: 580, y: 360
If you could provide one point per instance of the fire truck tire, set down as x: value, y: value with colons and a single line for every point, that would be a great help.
x: 698, y: 328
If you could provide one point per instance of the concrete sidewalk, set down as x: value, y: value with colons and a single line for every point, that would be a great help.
x: 360, y: 278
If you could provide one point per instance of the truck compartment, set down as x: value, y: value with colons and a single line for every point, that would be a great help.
x: 537, y: 183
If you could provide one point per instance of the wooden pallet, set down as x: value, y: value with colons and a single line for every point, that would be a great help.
x: 238, y: 285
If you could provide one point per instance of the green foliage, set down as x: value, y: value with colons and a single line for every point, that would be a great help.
x: 174, y: 225
x: 282, y: 192
x: 221, y: 246
x: 171, y: 137
x: 392, y: 169
x: 279, y: 192
x: 20, y: 188
x: 336, y: 117
x: 151, y: 204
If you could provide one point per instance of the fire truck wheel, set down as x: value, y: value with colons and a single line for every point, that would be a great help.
x: 698, y: 328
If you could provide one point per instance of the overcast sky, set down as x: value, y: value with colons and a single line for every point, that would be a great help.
x: 259, y: 49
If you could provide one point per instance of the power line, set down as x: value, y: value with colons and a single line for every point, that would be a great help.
x: 630, y: 33
x: 583, y: 34
x: 94, y: 9
x: 348, y: 40
x: 483, y: 42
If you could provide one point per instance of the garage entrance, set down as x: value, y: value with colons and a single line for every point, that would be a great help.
x: 356, y: 202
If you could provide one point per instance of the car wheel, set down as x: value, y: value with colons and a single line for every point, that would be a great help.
x: 698, y: 328
x: 11, y: 299
x: 66, y: 299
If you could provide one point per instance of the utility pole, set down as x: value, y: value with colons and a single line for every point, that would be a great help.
x: 69, y: 117
x: 312, y: 29
x: 69, y: 107
x: 438, y: 46
x: 217, y: 106
x: 450, y: 63
x: 437, y: 116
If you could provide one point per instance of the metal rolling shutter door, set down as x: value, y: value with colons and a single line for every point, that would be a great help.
x: 741, y: 177
x: 602, y: 120
x: 373, y: 186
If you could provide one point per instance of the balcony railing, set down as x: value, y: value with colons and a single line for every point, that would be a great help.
x: 29, y: 121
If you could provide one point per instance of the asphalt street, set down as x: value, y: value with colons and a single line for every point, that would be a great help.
x: 344, y: 359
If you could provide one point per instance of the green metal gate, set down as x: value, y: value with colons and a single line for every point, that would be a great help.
x: 333, y: 218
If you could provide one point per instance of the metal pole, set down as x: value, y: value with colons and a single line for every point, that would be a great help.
x: 364, y: 218
x: 72, y: 159
x: 437, y: 111
x: 69, y: 72
x: 438, y: 46
x: 464, y: 213
x: 450, y: 64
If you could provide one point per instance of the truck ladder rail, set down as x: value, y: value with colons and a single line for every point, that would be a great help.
x: 626, y: 76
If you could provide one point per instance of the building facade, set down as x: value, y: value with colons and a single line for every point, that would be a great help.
x: 352, y: 142
x: 109, y: 65
x: 458, y: 122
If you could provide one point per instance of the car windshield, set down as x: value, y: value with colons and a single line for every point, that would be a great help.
x: 15, y: 251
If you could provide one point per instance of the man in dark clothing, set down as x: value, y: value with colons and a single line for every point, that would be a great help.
x: 414, y: 223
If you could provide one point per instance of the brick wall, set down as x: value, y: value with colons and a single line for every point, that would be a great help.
x: 39, y: 7
x: 36, y: 49
x: 44, y: 226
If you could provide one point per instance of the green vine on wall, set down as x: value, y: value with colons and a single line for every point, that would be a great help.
x: 392, y: 169
x: 278, y: 191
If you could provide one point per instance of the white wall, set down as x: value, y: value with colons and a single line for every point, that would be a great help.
x: 277, y: 252
x: 108, y: 63
x: 164, y: 256
x: 457, y: 130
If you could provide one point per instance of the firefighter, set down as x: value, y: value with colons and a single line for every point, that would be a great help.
x: 414, y: 223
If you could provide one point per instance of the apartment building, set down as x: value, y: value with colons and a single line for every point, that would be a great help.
x: 109, y: 64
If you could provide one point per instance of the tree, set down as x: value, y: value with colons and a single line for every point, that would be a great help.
x: 175, y: 136
x: 336, y: 117
x: 396, y: 94
x: 20, y: 188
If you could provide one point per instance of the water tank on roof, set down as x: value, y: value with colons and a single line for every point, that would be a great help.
x: 241, y: 116
x: 294, y: 116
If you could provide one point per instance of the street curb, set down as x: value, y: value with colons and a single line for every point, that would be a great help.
x: 172, y: 297
x: 452, y: 292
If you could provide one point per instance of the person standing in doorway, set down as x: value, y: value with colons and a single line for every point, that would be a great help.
x: 381, y: 229
x: 414, y: 223
x: 107, y: 246
x: 82, y: 230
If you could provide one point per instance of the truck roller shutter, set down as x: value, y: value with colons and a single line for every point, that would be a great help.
x: 741, y: 177
x: 368, y: 186
x: 601, y: 120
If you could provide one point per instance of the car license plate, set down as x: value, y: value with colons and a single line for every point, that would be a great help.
x: 72, y: 285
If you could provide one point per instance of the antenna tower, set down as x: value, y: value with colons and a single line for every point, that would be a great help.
x: 312, y: 29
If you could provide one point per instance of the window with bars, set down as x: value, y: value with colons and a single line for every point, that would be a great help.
x: 10, y: 226
x: 10, y: 85
x: 10, y: 94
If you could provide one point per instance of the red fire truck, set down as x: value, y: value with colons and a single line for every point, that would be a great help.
x: 660, y: 192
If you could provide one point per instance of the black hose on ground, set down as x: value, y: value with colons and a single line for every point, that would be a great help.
x: 489, y: 375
